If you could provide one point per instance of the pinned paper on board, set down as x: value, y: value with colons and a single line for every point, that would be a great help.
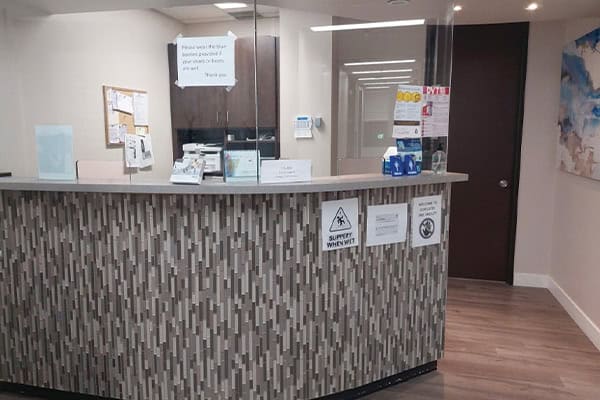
x: 125, y: 110
x: 140, y: 109
x: 124, y: 102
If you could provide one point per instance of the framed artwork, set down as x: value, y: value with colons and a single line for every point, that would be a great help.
x: 579, y: 119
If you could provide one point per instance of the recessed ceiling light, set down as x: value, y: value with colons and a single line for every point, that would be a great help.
x: 230, y: 6
x: 363, y: 63
x: 386, y: 83
x: 368, y: 25
x: 458, y: 8
x: 377, y: 87
x: 532, y: 7
x: 389, y: 71
x: 385, y: 78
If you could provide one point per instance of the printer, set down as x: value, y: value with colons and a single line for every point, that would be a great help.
x: 212, y: 155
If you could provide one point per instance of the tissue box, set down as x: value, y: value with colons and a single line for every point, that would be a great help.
x: 411, y: 152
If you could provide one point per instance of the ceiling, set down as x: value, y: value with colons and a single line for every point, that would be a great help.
x: 475, y: 11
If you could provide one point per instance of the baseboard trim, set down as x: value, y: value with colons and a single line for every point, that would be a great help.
x: 351, y: 394
x: 370, y: 388
x: 532, y: 280
x: 585, y: 323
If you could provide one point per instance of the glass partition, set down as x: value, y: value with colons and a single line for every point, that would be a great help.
x: 269, y: 80
x: 341, y: 66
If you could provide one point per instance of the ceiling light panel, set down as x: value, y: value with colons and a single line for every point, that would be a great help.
x: 389, y: 71
x: 369, y: 25
x: 387, y: 78
x: 230, y: 6
x: 365, y: 63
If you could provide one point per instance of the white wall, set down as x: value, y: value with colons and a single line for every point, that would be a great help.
x: 559, y: 213
x: 576, y: 249
x: 538, y: 162
x: 306, y: 61
x: 11, y: 131
x: 62, y: 63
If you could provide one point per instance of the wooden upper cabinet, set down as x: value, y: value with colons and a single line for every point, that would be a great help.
x: 194, y: 107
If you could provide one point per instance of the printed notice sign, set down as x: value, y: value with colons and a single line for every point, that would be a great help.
x: 408, y: 113
x: 426, y: 221
x: 436, y: 111
x: 285, y: 171
x: 206, y: 61
x: 339, y: 224
x: 387, y: 224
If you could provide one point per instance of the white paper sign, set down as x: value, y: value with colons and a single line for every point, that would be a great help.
x: 387, y: 224
x: 140, y: 109
x: 339, y: 224
x: 436, y: 111
x: 132, y: 157
x: 138, y: 151
x: 206, y: 61
x: 408, y: 112
x: 146, y: 151
x: 426, y: 221
x: 286, y: 171
x: 124, y: 103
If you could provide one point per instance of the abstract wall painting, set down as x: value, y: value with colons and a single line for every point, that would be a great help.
x: 579, y: 120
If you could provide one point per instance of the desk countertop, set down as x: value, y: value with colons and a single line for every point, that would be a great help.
x: 216, y: 187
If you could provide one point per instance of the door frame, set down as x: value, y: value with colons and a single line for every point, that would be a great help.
x: 436, y: 38
x: 516, y: 178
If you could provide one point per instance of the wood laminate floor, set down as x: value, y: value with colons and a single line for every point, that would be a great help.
x: 507, y: 343
x: 503, y: 343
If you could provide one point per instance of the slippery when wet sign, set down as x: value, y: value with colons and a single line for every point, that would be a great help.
x: 339, y: 224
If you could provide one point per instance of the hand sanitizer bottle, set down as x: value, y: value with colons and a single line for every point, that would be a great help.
x: 439, y: 161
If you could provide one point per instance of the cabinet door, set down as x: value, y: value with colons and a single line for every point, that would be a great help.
x: 194, y: 107
x: 268, y: 78
x: 240, y: 100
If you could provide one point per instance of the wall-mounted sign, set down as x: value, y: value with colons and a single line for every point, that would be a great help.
x: 206, y: 61
x: 408, y: 113
x: 339, y: 224
x: 387, y: 224
x: 426, y: 221
x: 436, y: 111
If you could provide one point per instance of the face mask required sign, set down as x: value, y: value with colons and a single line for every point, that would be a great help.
x: 339, y: 224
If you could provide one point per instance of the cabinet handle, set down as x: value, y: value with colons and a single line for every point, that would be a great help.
x: 218, y: 115
x: 227, y: 116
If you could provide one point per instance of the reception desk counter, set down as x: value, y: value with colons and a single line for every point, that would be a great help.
x: 157, y: 291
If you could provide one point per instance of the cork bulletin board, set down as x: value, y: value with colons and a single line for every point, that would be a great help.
x: 125, y: 112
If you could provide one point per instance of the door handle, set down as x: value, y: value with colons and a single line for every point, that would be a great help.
x: 503, y: 184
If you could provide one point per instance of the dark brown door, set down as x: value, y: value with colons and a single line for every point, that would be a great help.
x: 488, y: 79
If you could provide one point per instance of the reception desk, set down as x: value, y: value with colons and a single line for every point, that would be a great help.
x: 157, y: 291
